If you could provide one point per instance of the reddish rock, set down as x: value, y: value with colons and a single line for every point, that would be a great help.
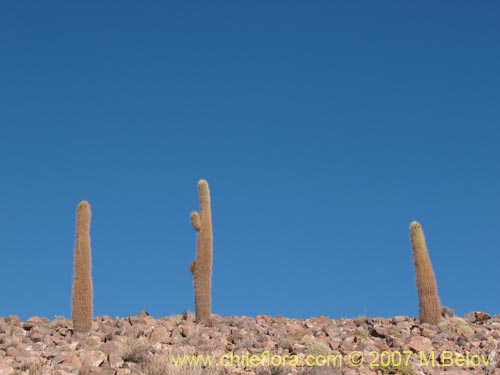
x: 457, y: 372
x: 93, y: 341
x: 94, y: 358
x: 72, y: 361
x: 14, y: 320
x: 420, y: 344
x: 12, y: 352
x: 482, y: 316
x: 115, y: 360
x: 35, y: 320
x: 160, y: 334
x: 109, y: 347
x: 6, y: 369
x: 101, y: 351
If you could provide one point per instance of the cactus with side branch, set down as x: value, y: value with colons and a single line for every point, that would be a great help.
x: 201, y: 268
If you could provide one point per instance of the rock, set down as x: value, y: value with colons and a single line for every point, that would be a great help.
x: 482, y: 316
x: 399, y: 318
x: 428, y: 332
x: 457, y: 372
x: 88, y: 370
x: 176, y: 333
x: 101, y: 351
x: 169, y: 325
x: 477, y: 316
x: 331, y: 331
x: 60, y: 372
x: 20, y: 358
x: 72, y: 361
x: 115, y: 361
x: 379, y: 331
x: 94, y: 358
x: 35, y: 320
x: 12, y: 352
x: 160, y: 334
x: 93, y: 341
x: 50, y: 351
x: 14, y: 320
x: 37, y: 337
x: 420, y: 344
x: 67, y: 368
x: 109, y: 347
x: 28, y: 326
x: 6, y: 369
x: 440, y: 338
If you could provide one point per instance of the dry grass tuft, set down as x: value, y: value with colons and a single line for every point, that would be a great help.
x: 10, y: 336
x: 34, y: 367
x: 162, y: 365
x: 136, y: 349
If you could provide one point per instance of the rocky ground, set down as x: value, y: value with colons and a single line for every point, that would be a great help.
x: 145, y: 345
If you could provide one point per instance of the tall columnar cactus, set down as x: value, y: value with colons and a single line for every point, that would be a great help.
x: 430, y: 307
x: 202, y: 266
x: 81, y: 307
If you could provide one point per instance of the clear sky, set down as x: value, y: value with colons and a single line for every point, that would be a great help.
x: 324, y: 128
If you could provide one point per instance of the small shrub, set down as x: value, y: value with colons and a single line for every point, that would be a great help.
x: 157, y: 365
x: 400, y: 370
x: 285, y: 343
x: 297, y: 335
x: 136, y: 349
x: 359, y: 333
x: 162, y: 365
x: 315, y: 347
x: 316, y: 370
x: 34, y: 367
x: 456, y: 326
x: 271, y: 370
x: 10, y: 336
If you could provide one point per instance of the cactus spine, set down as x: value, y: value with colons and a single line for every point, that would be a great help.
x: 201, y: 268
x: 81, y: 307
x: 430, y: 308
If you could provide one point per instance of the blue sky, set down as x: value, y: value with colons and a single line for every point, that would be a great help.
x: 323, y: 128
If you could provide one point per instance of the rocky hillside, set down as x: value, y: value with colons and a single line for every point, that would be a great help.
x: 261, y: 345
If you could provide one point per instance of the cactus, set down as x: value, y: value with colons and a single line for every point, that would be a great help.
x: 201, y: 268
x: 81, y: 308
x: 429, y: 305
